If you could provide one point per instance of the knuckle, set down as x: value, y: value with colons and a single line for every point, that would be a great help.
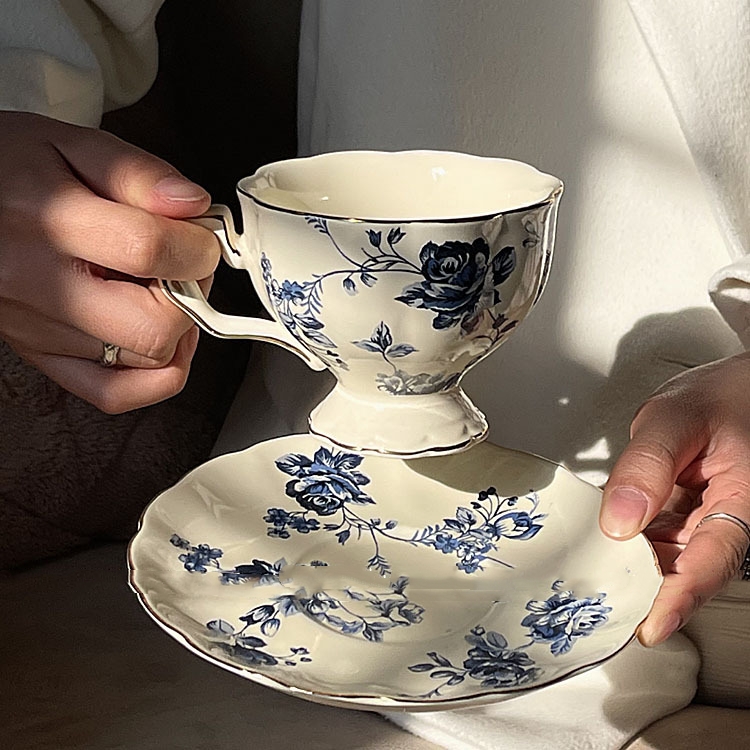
x: 731, y: 559
x: 177, y: 381
x: 651, y: 454
x: 112, y: 400
x: 694, y: 600
x: 158, y: 343
x: 143, y: 248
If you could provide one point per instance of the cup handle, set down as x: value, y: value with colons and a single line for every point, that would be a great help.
x: 189, y: 297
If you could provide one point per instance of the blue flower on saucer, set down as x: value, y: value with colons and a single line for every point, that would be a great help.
x: 326, y: 482
x: 563, y: 618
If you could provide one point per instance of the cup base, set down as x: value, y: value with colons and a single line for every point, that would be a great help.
x: 400, y: 427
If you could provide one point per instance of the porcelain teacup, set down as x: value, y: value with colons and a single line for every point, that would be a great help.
x: 397, y: 271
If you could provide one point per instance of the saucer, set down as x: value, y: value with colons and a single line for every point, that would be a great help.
x: 380, y: 583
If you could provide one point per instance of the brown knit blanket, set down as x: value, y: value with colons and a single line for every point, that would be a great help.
x: 71, y: 475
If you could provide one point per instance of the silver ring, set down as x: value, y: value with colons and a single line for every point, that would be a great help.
x: 109, y: 354
x: 745, y: 566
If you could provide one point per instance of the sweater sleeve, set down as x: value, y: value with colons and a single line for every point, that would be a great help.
x: 702, y: 52
x: 730, y: 292
x: 75, y: 59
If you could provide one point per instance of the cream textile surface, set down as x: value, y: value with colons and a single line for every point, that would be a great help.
x: 72, y: 59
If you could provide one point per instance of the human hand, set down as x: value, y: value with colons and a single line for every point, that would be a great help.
x: 87, y: 225
x: 688, y: 457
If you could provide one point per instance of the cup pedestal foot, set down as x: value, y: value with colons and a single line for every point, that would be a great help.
x: 402, y: 427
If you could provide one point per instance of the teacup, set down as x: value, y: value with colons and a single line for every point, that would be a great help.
x: 397, y: 271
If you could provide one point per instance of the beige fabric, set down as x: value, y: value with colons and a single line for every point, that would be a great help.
x: 697, y: 728
x: 73, y: 59
x: 721, y: 631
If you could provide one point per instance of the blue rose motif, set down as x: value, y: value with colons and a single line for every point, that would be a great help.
x: 459, y: 280
x: 563, y: 618
x: 326, y: 482
x: 491, y: 661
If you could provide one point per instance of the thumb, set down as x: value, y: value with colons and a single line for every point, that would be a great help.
x: 663, y: 443
x: 124, y: 173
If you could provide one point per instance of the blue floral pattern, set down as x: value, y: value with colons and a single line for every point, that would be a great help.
x: 562, y: 619
x: 326, y: 482
x: 329, y: 485
x: 398, y: 382
x: 458, y: 282
x: 489, y: 660
x: 367, y: 614
x: 198, y: 558
x: 557, y: 621
x: 251, y: 650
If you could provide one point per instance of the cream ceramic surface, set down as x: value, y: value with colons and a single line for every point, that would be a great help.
x: 381, y: 583
x: 398, y: 271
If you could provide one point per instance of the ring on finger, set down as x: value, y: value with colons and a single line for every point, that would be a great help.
x: 109, y: 354
x: 745, y: 566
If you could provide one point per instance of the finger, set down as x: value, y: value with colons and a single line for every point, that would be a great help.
x: 134, y: 316
x: 667, y: 553
x: 138, y: 318
x: 711, y: 558
x: 709, y: 561
x: 669, y: 526
x: 29, y: 332
x: 674, y: 523
x: 126, y: 174
x: 116, y: 390
x: 666, y: 439
x: 81, y: 225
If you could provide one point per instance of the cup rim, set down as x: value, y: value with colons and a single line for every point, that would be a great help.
x: 552, y: 194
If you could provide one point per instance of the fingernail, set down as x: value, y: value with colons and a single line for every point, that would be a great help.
x: 175, y: 188
x: 652, y: 634
x: 624, y: 511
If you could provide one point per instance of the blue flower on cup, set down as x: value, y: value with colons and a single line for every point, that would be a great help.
x: 460, y: 280
x: 291, y: 291
x: 563, y: 618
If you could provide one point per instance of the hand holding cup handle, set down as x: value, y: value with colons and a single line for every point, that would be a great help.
x: 89, y: 223
x: 189, y: 296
